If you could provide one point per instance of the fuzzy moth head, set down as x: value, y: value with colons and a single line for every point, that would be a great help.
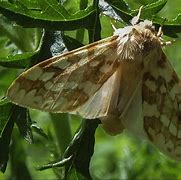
x: 137, y: 40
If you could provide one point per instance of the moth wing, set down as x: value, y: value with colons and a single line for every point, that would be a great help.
x: 129, y: 107
x: 118, y: 103
x: 133, y: 116
x: 104, y: 100
x: 162, y: 107
x: 65, y: 82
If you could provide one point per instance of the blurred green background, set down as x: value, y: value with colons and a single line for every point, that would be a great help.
x: 120, y: 157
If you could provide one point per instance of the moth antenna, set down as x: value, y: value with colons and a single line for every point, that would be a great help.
x: 135, y: 19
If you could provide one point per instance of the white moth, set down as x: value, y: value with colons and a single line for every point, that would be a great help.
x: 125, y: 80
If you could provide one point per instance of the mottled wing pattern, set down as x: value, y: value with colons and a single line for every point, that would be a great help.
x: 65, y: 82
x: 104, y: 100
x: 161, y: 95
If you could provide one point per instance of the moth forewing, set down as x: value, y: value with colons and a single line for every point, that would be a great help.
x: 64, y: 83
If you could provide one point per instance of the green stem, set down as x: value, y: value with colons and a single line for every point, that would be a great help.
x: 62, y: 130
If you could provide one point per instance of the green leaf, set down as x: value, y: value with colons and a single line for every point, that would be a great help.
x: 16, y: 40
x: 175, y: 22
x: 22, y: 39
x: 95, y: 32
x: 83, y: 4
x: 151, y: 9
x: 59, y: 121
x: 71, y: 43
x: 18, y: 159
x: 9, y: 115
x: 121, y: 4
x: 7, y: 76
x: 121, y: 8
x: 4, y: 48
x: 169, y: 27
x: 18, y: 60
x: 23, y: 121
x: 21, y: 60
x: 6, y: 125
x: 48, y: 14
x: 5, y: 108
x: 82, y: 148
x: 126, y: 14
x: 145, y: 2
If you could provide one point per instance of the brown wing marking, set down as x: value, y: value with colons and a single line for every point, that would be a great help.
x: 161, y: 92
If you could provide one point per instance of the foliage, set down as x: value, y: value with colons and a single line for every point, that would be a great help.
x: 32, y: 31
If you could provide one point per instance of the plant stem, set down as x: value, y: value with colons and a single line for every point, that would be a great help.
x: 62, y: 130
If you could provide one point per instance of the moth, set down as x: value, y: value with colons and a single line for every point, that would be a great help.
x: 125, y: 80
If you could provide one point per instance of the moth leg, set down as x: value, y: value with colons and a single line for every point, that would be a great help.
x: 167, y: 43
